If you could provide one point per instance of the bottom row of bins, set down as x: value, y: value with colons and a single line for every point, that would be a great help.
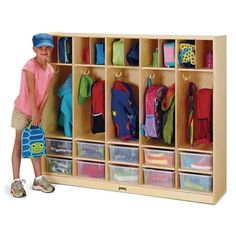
x: 127, y: 174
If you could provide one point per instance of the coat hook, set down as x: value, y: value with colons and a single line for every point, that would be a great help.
x: 118, y: 74
x: 56, y: 70
x: 84, y: 72
x: 152, y: 76
x: 186, y: 77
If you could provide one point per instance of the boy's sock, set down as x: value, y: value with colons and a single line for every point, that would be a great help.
x: 14, y: 180
x: 38, y: 177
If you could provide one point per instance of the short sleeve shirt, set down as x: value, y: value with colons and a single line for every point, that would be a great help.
x: 42, y: 81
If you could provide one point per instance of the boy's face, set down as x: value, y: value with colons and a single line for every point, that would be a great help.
x: 43, y: 52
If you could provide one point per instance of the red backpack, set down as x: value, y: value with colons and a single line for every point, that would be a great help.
x: 98, y: 106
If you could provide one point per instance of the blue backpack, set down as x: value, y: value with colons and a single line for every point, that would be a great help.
x: 33, y: 142
x: 65, y: 50
x: 100, y: 54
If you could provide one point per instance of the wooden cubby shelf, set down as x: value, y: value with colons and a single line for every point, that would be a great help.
x: 143, y: 165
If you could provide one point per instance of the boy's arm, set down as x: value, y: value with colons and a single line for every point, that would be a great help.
x: 30, y: 80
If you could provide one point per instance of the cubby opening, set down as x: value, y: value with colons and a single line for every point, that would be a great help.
x: 93, y: 42
x: 204, y: 54
x: 171, y: 54
x: 65, y: 50
x: 52, y: 109
x: 131, y: 44
x: 130, y: 76
x: 186, y: 54
x: 82, y: 112
x: 149, y: 51
x: 159, y: 77
x: 82, y: 51
x: 109, y: 52
x: 201, y: 80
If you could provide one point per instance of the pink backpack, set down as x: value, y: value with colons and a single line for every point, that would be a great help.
x: 153, y: 112
x: 169, y: 54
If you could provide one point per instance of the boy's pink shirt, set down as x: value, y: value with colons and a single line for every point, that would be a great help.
x: 42, y: 81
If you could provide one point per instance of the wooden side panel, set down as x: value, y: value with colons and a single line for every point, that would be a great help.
x: 219, y: 117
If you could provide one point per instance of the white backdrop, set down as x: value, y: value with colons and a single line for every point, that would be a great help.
x: 81, y: 211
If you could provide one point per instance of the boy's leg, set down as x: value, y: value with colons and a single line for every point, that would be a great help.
x: 16, y: 155
x: 17, y: 188
x: 36, y: 162
x: 40, y: 182
x: 18, y: 122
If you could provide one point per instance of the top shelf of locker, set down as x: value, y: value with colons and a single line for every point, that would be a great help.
x: 144, y: 36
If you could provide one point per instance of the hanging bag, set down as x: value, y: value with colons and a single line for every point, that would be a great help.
x: 118, y: 53
x: 133, y: 55
x: 169, y: 54
x: 100, y: 54
x: 153, y: 113
x: 33, y: 142
x: 98, y: 106
x: 65, y: 50
x: 187, y: 55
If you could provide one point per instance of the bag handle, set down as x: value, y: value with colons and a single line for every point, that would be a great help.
x: 30, y: 125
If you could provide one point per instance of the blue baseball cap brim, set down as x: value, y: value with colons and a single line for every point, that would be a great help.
x: 44, y: 43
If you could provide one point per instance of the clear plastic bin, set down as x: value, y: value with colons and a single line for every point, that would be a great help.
x: 59, y: 147
x: 124, y: 154
x: 94, y: 151
x: 91, y: 169
x: 195, y: 161
x: 159, y: 157
x: 159, y: 178
x: 59, y: 165
x: 196, y: 182
x: 124, y: 174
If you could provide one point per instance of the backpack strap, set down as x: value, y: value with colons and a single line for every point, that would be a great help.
x: 65, y: 50
x: 142, y: 127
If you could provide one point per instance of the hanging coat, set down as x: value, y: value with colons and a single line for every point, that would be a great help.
x: 124, y: 111
x: 168, y: 106
x: 65, y: 116
x: 204, y: 116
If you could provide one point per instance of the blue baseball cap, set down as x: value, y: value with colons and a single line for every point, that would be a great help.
x: 40, y: 40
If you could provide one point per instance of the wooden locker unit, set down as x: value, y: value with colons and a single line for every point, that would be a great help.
x: 136, y: 76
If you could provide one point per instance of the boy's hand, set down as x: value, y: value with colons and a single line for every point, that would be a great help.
x: 36, y: 118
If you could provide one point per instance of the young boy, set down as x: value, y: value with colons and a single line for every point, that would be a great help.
x: 36, y: 77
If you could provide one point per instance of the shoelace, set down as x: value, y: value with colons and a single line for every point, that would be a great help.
x: 45, y: 182
x: 19, y: 184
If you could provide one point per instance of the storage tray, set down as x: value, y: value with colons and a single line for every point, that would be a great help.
x: 91, y: 169
x: 159, y: 178
x: 124, y: 154
x: 59, y: 165
x: 94, y: 151
x: 124, y: 174
x: 59, y: 147
x: 196, y: 182
x: 159, y: 157
x: 195, y: 161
